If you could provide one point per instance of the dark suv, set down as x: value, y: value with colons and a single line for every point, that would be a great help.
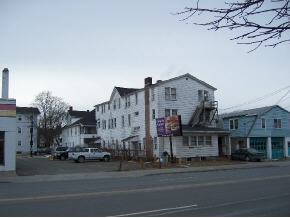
x: 61, y: 153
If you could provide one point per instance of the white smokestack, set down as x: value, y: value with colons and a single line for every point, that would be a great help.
x: 5, y: 83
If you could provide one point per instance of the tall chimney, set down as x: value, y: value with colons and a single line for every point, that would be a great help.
x: 5, y: 83
x: 148, y: 137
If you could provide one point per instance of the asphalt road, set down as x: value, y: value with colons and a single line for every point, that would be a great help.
x: 240, y: 192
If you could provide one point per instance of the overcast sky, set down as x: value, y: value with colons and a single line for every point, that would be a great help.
x: 81, y: 49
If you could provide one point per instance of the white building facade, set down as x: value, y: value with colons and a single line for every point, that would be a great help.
x: 121, y: 121
x: 7, y: 128
x: 26, y: 123
x: 80, y: 129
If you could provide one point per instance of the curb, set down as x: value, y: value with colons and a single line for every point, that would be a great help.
x: 138, y: 173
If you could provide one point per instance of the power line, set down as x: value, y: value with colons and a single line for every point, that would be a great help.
x: 283, y: 96
x: 259, y: 99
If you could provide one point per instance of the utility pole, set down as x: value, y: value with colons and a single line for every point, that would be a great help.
x: 31, y: 136
x: 171, y: 149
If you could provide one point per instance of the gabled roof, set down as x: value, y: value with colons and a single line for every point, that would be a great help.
x: 27, y: 110
x: 88, y: 119
x: 189, y: 76
x: 125, y: 91
x: 75, y: 113
x: 250, y: 112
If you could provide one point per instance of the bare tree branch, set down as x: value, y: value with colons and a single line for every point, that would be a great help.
x: 266, y: 22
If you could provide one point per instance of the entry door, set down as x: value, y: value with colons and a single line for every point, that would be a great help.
x: 288, y: 148
x: 277, y: 147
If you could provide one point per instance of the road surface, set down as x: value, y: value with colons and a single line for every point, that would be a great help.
x: 240, y: 192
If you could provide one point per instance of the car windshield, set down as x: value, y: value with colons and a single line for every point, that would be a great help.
x: 253, y: 151
x: 61, y: 149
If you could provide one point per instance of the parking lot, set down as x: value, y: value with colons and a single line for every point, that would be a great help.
x: 42, y: 165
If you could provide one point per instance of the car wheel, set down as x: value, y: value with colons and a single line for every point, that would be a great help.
x: 62, y: 157
x: 81, y: 159
x: 106, y: 158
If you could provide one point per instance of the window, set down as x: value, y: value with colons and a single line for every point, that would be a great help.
x: 277, y: 124
x: 193, y: 141
x: 167, y: 93
x: 115, y: 122
x: 115, y: 105
x: 153, y: 114
x: 200, y: 140
x: 2, y: 140
x: 19, y: 117
x: 18, y: 129
x: 185, y: 140
x: 104, y: 124
x: 97, y: 108
x: 200, y: 95
x: 119, y: 103
x: 136, y: 98
x: 263, y: 123
x: 136, y: 114
x: 173, y: 93
x: 123, y: 121
x: 234, y: 124
x: 208, y: 140
x: 170, y: 93
x: 203, y: 95
x: 109, y: 124
x: 127, y: 103
x: 129, y: 119
x: 109, y: 106
x: 98, y: 123
x: 174, y: 112
x: 19, y: 143
x: 167, y: 112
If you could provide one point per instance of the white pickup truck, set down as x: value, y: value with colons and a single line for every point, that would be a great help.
x: 83, y: 154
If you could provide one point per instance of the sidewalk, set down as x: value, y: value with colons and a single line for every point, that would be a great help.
x: 138, y: 173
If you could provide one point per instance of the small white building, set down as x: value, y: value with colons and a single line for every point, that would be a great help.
x: 7, y: 128
x: 80, y: 129
x: 128, y: 119
x: 26, y: 122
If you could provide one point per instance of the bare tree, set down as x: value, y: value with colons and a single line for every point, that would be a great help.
x: 262, y: 21
x: 52, y: 114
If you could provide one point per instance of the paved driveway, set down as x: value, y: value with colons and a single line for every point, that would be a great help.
x: 39, y: 165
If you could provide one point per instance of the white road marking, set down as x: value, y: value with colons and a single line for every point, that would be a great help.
x: 226, y: 204
x: 159, y: 210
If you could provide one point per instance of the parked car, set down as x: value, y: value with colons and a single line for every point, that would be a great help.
x: 82, y: 154
x: 42, y: 151
x: 61, y: 153
x: 248, y: 154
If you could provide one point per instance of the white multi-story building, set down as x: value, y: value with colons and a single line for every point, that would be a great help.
x: 7, y: 128
x: 26, y: 122
x: 80, y: 128
x: 128, y: 119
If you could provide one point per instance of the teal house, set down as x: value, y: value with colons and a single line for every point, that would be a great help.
x: 266, y: 129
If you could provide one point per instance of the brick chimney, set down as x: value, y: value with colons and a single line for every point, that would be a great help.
x: 149, y: 141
